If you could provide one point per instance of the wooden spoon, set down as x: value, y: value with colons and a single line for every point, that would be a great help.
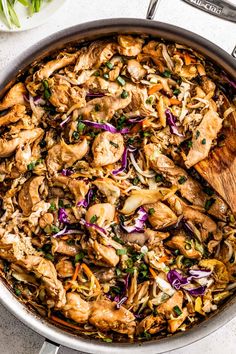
x: 219, y: 168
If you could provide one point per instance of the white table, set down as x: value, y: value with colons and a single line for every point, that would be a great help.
x: 15, y: 338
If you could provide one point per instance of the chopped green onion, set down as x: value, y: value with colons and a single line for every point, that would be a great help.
x: 204, y: 141
x: 79, y: 256
x: 106, y: 76
x: 109, y: 65
x: 167, y: 73
x: 121, y: 252
x: 177, y: 310
x: 17, y: 291
x: 197, y: 134
x: 209, y: 203
x: 114, y: 144
x: 121, y: 81
x: 182, y: 180
x: 151, y: 211
x: 93, y: 219
x: 158, y: 178
x: 124, y: 94
x: 49, y: 256
x: 53, y: 207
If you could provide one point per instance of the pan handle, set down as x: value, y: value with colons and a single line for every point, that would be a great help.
x: 152, y: 8
x: 49, y: 347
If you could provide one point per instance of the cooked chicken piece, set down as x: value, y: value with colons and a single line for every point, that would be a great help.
x: 106, y: 254
x: 76, y: 308
x: 136, y: 70
x: 155, y: 237
x: 61, y: 246
x: 63, y: 155
x: 141, y: 197
x: 107, y: 187
x: 129, y: 46
x: 195, y: 217
x: 29, y: 194
x: 46, y: 272
x: 219, y: 269
x: 105, y: 275
x: 95, y: 55
x: 78, y: 188
x: 16, y: 113
x: 102, y: 109
x: 160, y: 215
x: 65, y: 268
x: 166, y: 308
x: 7, y: 147
x: 135, y: 237
x: 63, y: 96
x: 203, y: 136
x: 208, y: 85
x: 103, y: 212
x: 106, y: 317
x: 107, y: 148
x: 184, y: 244
x: 15, y: 96
x: 50, y: 67
x: 175, y: 323
x: 186, y: 71
x: 188, y: 187
x: 138, y: 105
x: 100, y: 85
x: 150, y: 324
x: 45, y: 220
x: 15, y: 247
x: 23, y: 157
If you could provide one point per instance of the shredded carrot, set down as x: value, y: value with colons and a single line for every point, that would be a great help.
x: 154, y: 89
x: 135, y: 129
x: 89, y: 274
x: 188, y: 60
x: 163, y: 259
x: 152, y: 271
x: 146, y: 123
x: 59, y: 320
x: 75, y: 275
x: 174, y: 101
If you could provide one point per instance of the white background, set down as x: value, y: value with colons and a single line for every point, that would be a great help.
x: 15, y: 338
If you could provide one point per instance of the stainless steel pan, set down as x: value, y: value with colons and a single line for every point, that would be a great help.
x: 86, y: 32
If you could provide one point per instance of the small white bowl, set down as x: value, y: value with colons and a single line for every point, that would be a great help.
x: 48, y: 9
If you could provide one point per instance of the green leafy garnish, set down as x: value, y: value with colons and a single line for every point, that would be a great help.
x: 79, y: 256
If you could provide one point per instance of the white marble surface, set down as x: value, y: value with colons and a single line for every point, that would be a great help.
x: 15, y: 338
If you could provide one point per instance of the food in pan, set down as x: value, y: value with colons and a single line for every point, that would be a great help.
x: 105, y: 226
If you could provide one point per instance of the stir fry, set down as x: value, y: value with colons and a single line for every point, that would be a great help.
x: 106, y: 228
